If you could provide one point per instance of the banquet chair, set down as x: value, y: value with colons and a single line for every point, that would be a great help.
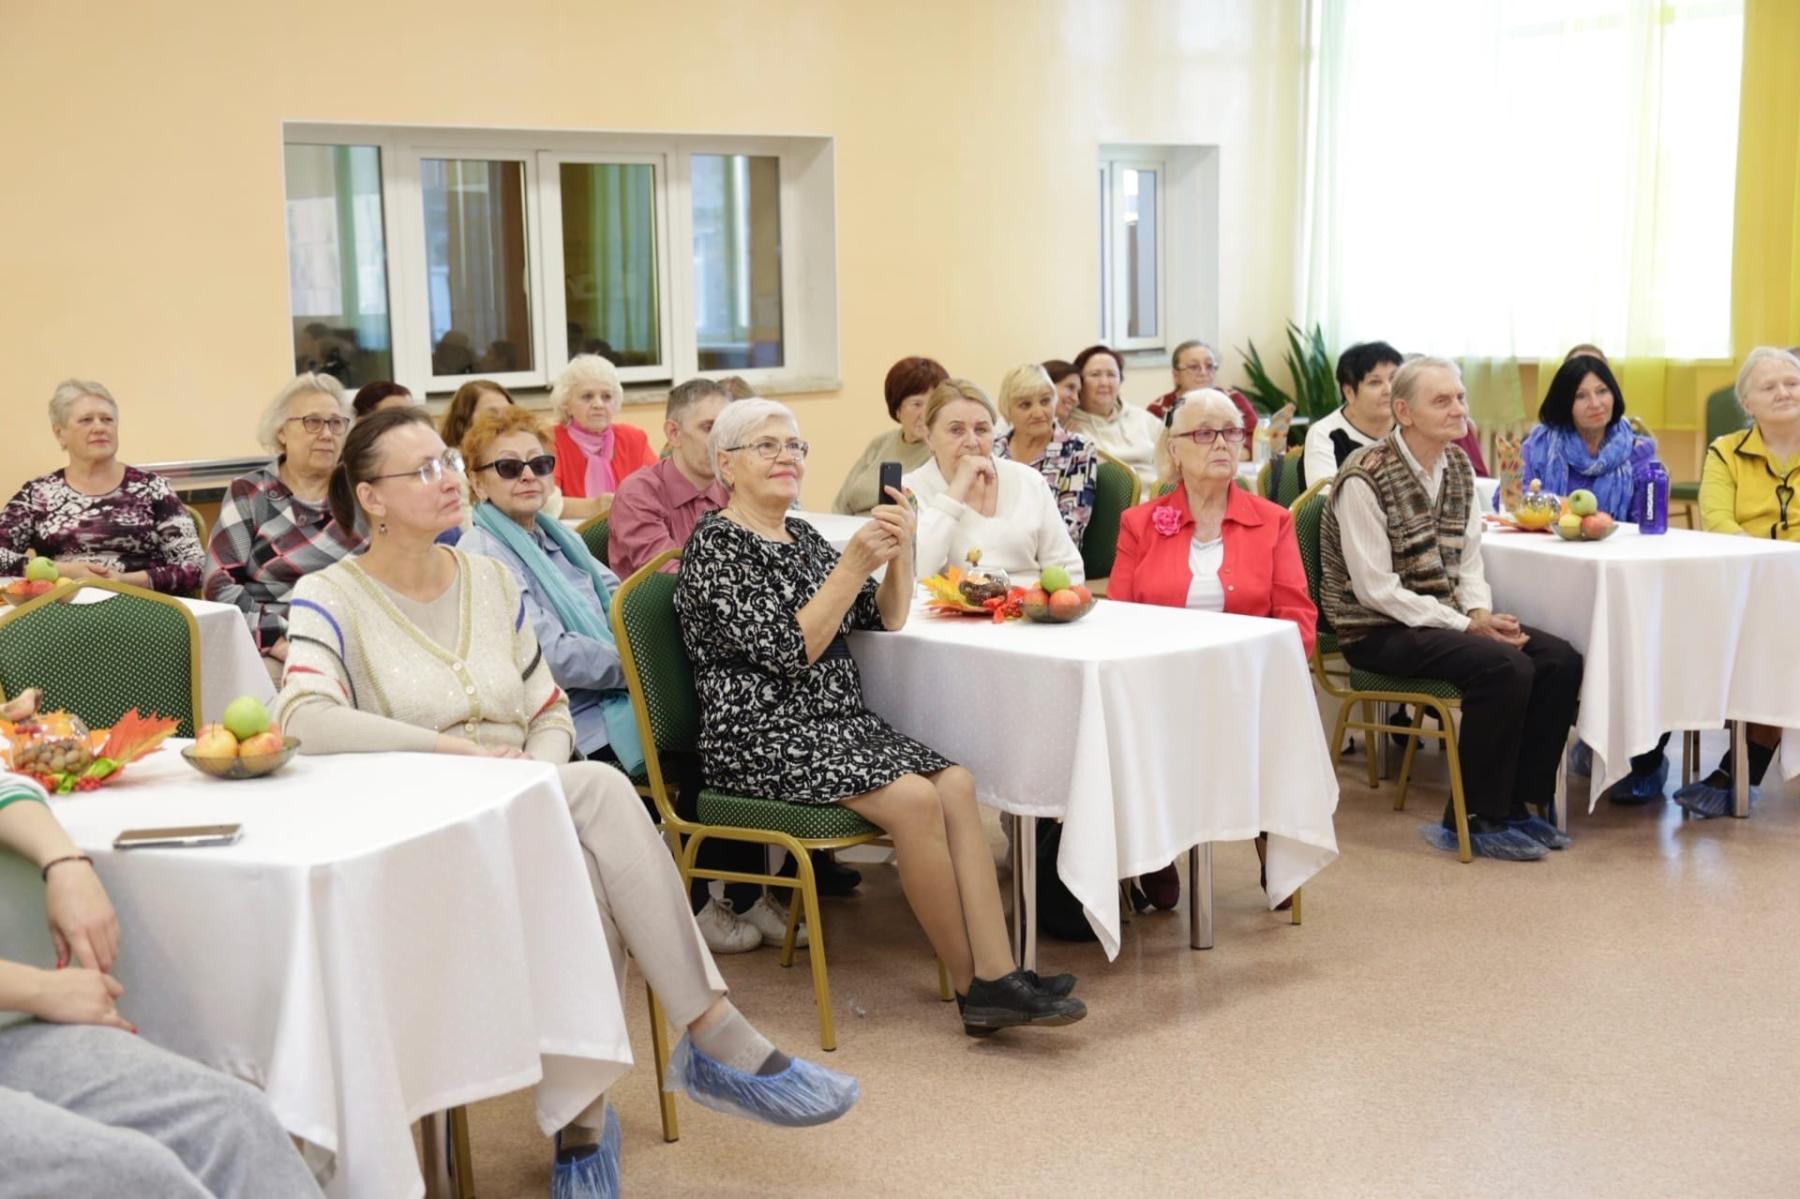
x: 661, y: 681
x: 593, y: 533
x: 1279, y: 478
x: 1115, y: 489
x: 133, y: 649
x: 1364, y: 689
x: 199, y: 521
x: 1723, y: 415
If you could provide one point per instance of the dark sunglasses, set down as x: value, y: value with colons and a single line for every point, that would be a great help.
x: 543, y: 466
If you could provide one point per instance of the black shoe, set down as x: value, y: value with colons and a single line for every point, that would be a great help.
x: 829, y: 875
x: 1059, y: 985
x: 1012, y: 1001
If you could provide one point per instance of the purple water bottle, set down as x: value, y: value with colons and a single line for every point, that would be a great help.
x: 1650, y: 488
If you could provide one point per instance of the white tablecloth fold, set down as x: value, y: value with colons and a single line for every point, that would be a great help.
x: 1147, y: 730
x: 1682, y: 631
x: 394, y: 935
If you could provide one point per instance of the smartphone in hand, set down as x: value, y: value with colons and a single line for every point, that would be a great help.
x: 890, y: 477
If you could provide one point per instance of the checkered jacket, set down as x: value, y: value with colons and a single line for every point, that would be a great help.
x: 265, y: 540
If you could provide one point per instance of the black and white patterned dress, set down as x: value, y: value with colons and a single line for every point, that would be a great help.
x: 774, y: 725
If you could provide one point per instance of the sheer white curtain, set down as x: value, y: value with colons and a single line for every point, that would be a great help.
x: 1501, y: 179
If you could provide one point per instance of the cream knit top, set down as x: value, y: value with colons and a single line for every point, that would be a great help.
x: 363, y: 675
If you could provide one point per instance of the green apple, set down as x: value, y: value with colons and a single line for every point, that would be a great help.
x: 1569, y: 526
x: 1583, y: 503
x: 1054, y: 579
x: 41, y: 570
x: 245, y: 717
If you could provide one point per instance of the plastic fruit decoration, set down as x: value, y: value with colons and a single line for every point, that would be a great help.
x: 1537, y: 509
x: 979, y: 586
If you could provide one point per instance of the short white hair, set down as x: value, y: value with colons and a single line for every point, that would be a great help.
x: 1756, y: 358
x: 1406, y: 379
x: 62, y: 400
x: 276, y: 412
x: 742, y: 417
x: 1205, y: 403
x: 584, y: 368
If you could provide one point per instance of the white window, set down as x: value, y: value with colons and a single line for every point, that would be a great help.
x: 1132, y: 237
x: 508, y: 253
x: 1505, y: 180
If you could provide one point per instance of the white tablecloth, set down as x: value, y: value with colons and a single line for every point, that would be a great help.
x: 1147, y: 730
x: 835, y: 527
x: 394, y: 935
x: 229, y: 663
x: 1681, y: 631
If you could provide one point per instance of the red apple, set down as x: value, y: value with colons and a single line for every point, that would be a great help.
x: 1065, y: 604
x: 1087, y: 597
x: 264, y: 744
x: 1596, y: 525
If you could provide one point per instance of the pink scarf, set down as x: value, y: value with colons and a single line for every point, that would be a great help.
x: 599, y: 450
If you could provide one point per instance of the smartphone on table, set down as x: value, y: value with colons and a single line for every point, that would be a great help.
x: 185, y: 837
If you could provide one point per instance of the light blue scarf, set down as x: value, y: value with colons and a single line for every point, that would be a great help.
x: 573, y: 609
x: 1557, y: 455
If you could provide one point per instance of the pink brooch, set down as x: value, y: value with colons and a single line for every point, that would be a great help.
x: 1167, y: 521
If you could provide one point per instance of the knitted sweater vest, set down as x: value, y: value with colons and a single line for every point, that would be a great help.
x: 1427, y: 541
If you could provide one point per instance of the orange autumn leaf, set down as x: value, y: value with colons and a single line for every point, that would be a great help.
x: 135, y: 735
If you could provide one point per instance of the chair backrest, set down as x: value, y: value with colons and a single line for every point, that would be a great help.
x: 1115, y: 489
x: 1724, y: 414
x: 134, y: 649
x: 655, y: 662
x: 1287, y: 487
x: 199, y: 523
x: 593, y: 533
x: 1309, y: 520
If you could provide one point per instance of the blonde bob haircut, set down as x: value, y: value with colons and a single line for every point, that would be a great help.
x: 585, y: 368
x: 949, y: 392
x: 276, y: 412
x: 490, y: 427
x: 1023, y: 383
x: 738, y: 420
x: 1204, y: 404
x: 62, y: 400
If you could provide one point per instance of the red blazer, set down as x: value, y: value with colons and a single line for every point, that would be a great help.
x: 631, y: 451
x: 1262, y: 574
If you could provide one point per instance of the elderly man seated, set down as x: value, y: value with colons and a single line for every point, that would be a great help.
x: 1405, y: 593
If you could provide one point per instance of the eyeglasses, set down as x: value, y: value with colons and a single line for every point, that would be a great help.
x: 1205, y: 436
x: 543, y: 466
x: 429, y: 472
x: 768, y: 448
x: 318, y: 424
x: 1198, y: 368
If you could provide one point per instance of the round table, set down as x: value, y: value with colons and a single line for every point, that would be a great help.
x: 394, y: 935
x: 1146, y: 730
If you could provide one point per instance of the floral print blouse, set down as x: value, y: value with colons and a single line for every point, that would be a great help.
x: 139, y: 525
x: 1071, y: 466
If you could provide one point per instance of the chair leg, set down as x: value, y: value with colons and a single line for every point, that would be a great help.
x: 945, y: 992
x: 1463, y: 850
x: 1406, y: 759
x: 659, y: 1054
x: 1294, y: 909
x: 1125, y: 912
x: 815, y: 948
x: 787, y: 942
x: 1372, y: 743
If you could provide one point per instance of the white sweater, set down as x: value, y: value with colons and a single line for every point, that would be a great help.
x: 1129, y: 435
x: 1025, y: 534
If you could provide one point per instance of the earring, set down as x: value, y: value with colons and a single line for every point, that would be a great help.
x: 382, y: 528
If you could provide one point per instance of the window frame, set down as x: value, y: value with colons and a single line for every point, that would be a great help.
x: 807, y: 224
x: 1115, y: 263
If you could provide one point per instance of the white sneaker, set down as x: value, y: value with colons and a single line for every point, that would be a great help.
x: 725, y: 931
x: 770, y: 918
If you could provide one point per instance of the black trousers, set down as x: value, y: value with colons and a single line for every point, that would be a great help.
x: 683, y: 772
x: 1518, y: 706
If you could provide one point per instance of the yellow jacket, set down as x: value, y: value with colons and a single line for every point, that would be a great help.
x: 1742, y: 488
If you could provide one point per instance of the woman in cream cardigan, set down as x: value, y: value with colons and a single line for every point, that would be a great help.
x: 416, y: 647
x: 968, y: 499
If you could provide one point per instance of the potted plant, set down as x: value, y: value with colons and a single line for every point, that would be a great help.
x: 1309, y: 365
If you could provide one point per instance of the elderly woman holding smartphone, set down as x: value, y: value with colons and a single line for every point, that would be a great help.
x: 766, y: 606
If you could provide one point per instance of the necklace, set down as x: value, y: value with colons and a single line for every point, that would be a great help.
x: 779, y: 533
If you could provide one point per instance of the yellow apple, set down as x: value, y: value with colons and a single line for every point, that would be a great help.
x: 215, y: 741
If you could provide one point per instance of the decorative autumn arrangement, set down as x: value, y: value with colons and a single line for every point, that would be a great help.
x: 245, y: 744
x: 1057, y: 600
x: 41, y: 578
x: 1576, y: 517
x: 59, y: 751
x: 974, y: 592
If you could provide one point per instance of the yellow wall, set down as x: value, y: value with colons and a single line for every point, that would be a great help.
x: 142, y: 220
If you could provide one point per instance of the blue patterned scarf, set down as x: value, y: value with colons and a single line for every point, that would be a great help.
x: 1558, y: 455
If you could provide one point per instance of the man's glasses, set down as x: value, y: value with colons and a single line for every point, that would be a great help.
x: 1205, y: 436
x: 318, y: 424
x: 429, y: 472
x: 543, y: 466
x: 768, y: 448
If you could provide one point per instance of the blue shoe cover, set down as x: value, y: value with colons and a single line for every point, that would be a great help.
x: 1508, y: 845
x: 1541, y: 831
x: 1636, y: 789
x: 801, y: 1095
x: 591, y: 1173
x: 1703, y: 801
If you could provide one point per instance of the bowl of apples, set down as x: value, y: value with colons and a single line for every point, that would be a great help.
x: 41, y: 578
x: 1054, y: 599
x: 1582, y: 519
x: 245, y: 744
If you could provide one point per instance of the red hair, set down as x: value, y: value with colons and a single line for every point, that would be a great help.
x: 911, y: 377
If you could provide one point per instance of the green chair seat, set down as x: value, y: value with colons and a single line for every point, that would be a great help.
x: 1689, y: 492
x: 818, y: 822
x: 1369, y: 680
x: 594, y: 534
x: 1116, y: 488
